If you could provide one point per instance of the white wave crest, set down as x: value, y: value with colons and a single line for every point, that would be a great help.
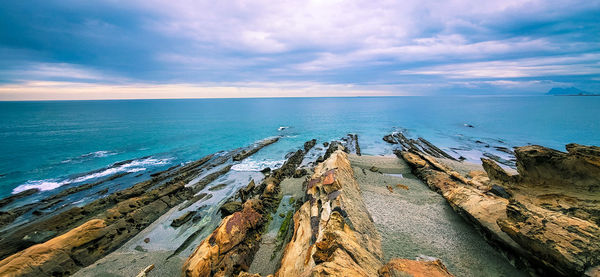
x: 251, y: 165
x: 133, y: 166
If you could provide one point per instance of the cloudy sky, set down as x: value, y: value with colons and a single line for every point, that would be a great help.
x: 176, y: 49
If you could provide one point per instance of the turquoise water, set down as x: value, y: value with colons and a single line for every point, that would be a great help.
x: 49, y: 144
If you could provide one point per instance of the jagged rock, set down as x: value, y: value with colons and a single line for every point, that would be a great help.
x: 265, y: 170
x: 552, y: 220
x: 405, y: 267
x: 231, y: 247
x: 333, y: 233
x: 325, y: 144
x: 374, y: 169
x: 245, y: 192
x: 309, y: 144
x: 390, y: 139
x: 495, y: 172
x: 230, y: 208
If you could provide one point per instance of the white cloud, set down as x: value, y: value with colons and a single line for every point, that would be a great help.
x: 585, y: 64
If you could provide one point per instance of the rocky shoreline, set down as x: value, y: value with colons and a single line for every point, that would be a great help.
x: 318, y: 215
x: 545, y: 218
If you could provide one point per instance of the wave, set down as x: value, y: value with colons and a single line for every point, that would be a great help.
x: 251, y: 165
x: 91, y: 155
x: 281, y: 128
x: 131, y: 166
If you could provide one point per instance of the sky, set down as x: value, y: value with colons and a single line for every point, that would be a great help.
x: 108, y: 49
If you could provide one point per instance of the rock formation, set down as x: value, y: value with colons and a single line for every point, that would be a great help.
x: 230, y: 249
x: 79, y: 241
x: 404, y: 267
x: 545, y: 218
x: 333, y: 233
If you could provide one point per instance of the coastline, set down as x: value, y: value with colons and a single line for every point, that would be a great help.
x: 414, y: 207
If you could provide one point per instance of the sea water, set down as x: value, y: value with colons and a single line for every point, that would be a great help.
x: 49, y: 144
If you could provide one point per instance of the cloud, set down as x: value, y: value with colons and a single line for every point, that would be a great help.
x: 425, y: 45
x: 585, y: 64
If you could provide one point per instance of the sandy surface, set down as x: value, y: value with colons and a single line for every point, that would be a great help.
x: 418, y: 221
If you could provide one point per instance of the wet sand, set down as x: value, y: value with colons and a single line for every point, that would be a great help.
x: 418, y: 221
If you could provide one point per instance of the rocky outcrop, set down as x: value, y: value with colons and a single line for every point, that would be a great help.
x: 123, y: 214
x: 333, y: 232
x: 418, y: 145
x: 7, y: 200
x: 545, y: 218
x: 231, y: 247
x: 404, y: 267
x: 56, y: 257
x: 245, y: 153
x: 555, y: 209
x: 351, y: 145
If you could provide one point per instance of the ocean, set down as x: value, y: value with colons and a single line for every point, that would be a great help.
x: 48, y: 145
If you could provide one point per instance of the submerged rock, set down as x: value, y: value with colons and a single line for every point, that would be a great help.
x: 183, y: 219
x: 7, y: 200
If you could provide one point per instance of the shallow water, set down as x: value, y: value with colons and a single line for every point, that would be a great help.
x: 49, y: 144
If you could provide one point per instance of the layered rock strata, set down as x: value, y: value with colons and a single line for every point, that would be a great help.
x: 545, y: 218
x: 333, y: 232
x: 230, y: 248
x: 121, y: 216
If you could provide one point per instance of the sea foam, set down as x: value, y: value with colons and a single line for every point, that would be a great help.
x: 251, y: 165
x: 133, y: 166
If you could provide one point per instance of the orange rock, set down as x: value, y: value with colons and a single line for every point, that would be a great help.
x: 402, y: 186
x: 230, y: 247
x: 53, y: 255
x: 404, y: 267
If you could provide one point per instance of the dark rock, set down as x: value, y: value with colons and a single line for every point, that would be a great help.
x: 265, y: 170
x: 147, y: 240
x: 300, y: 172
x: 325, y: 144
x: 25, y: 193
x: 469, y: 125
x: 183, y: 219
x: 500, y: 191
x: 333, y: 146
x: 39, y: 236
x: 217, y: 187
x: 374, y: 169
x: 309, y: 144
x: 390, y: 139
x: 253, y: 149
x: 320, y: 159
x: 247, y: 191
x: 230, y: 208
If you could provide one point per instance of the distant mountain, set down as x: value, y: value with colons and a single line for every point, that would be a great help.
x: 568, y: 91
